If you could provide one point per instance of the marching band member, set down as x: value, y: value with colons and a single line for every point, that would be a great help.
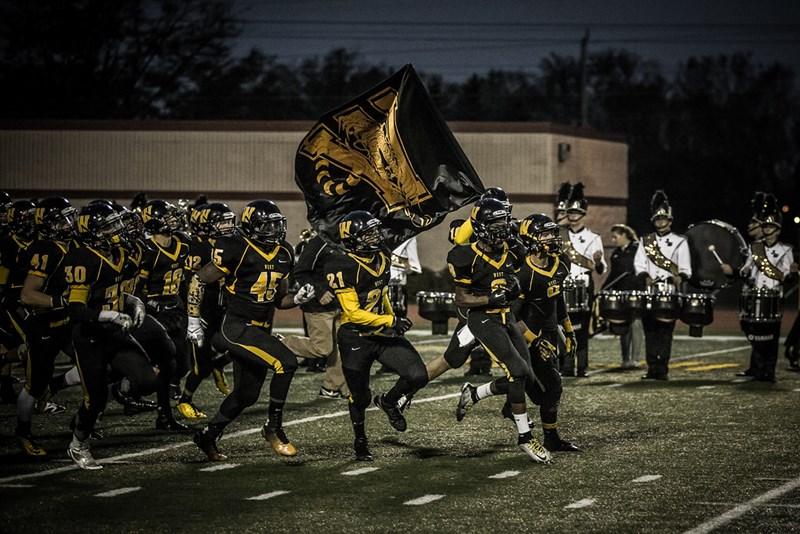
x: 769, y: 264
x: 584, y: 249
x: 662, y: 258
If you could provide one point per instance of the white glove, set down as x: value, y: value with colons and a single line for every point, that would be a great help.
x: 305, y: 294
x: 194, y: 331
x: 123, y: 320
x: 136, y: 307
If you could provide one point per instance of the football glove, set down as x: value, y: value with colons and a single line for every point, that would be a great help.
x: 401, y: 325
x: 58, y: 302
x: 545, y: 349
x: 570, y: 343
x: 123, y: 320
x: 135, y: 307
x: 512, y: 288
x: 498, y: 297
x: 194, y: 331
x: 305, y: 294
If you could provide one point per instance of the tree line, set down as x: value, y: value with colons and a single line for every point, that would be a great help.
x: 718, y: 129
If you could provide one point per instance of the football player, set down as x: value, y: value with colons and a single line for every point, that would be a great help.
x: 541, y: 309
x: 47, y: 329
x: 255, y: 266
x: 209, y: 223
x: 369, y: 329
x: 486, y: 284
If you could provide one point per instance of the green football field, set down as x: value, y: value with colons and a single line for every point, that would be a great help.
x: 698, y: 451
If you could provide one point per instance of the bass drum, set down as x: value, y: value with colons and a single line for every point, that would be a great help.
x: 707, y: 238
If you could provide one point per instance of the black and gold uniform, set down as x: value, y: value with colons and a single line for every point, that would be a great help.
x: 369, y: 329
x: 255, y: 266
x: 14, y: 262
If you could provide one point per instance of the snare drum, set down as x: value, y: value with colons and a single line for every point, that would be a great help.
x: 437, y: 307
x: 760, y: 305
x: 397, y: 296
x: 614, y: 306
x: 637, y: 303
x: 576, y: 296
x: 663, y: 302
x: 697, y: 312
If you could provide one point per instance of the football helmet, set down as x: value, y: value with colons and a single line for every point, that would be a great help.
x: 360, y: 233
x: 21, y: 218
x: 490, y: 222
x: 539, y: 233
x: 160, y: 217
x: 216, y: 220
x: 497, y: 193
x: 99, y: 226
x: 55, y: 219
x: 263, y: 222
x: 5, y: 203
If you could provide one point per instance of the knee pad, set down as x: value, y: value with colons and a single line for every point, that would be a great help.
x: 289, y: 364
x: 361, y: 400
x: 516, y: 390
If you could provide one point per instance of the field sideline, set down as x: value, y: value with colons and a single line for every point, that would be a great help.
x: 698, y: 452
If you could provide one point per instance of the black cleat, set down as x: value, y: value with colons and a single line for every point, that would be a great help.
x: 362, y: 450
x: 394, y: 414
x: 556, y: 444
x: 746, y: 373
x: 208, y: 445
x: 169, y: 424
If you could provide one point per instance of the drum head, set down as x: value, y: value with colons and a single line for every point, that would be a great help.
x: 726, y: 241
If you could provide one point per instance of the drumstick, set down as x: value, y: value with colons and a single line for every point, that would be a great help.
x: 713, y: 250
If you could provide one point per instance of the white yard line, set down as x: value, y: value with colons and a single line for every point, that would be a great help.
x: 646, y: 478
x: 17, y: 486
x: 768, y: 505
x: 505, y: 474
x: 218, y: 467
x: 740, y: 380
x: 741, y: 509
x: 265, y: 496
x: 362, y: 471
x: 583, y: 503
x: 425, y: 499
x: 616, y: 385
x: 706, y: 387
x: 119, y: 491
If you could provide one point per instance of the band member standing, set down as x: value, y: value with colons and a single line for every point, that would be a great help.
x: 622, y: 277
x: 584, y: 249
x: 564, y: 192
x: 769, y: 264
x: 663, y: 263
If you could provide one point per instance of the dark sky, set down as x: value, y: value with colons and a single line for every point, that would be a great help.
x: 457, y: 38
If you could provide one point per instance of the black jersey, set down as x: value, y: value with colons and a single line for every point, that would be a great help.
x: 14, y: 260
x: 46, y: 259
x: 132, y: 268
x: 95, y: 279
x: 361, y: 285
x: 480, y: 272
x: 161, y: 269
x: 252, y: 275
x: 541, y: 291
x: 200, y: 252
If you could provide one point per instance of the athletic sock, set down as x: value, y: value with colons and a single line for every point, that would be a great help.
x: 521, y: 420
x: 482, y: 391
x: 25, y: 405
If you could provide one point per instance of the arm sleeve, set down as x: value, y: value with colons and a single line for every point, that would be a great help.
x: 640, y: 260
x: 684, y: 259
x: 464, y: 233
x: 601, y: 266
x: 353, y: 313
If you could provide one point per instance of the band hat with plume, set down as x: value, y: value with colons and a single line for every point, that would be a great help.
x: 769, y: 212
x: 659, y: 205
x: 564, y: 192
x: 627, y: 230
x: 577, y: 201
x: 755, y: 204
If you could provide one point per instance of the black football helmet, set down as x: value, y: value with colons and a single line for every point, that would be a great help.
x: 360, y: 233
x: 21, y: 219
x: 195, y: 224
x: 5, y: 203
x: 262, y: 221
x: 490, y: 222
x: 133, y: 227
x: 497, y: 193
x: 55, y: 219
x: 539, y: 233
x: 217, y: 220
x: 100, y: 226
x: 160, y: 217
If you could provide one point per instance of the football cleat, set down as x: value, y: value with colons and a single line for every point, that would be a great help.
x: 277, y: 439
x: 362, y: 450
x: 465, y: 400
x: 190, y: 411
x: 404, y: 402
x: 394, y: 414
x: 169, y: 424
x: 30, y: 447
x: 326, y: 393
x: 50, y: 408
x: 208, y: 445
x: 534, y: 450
x: 220, y: 382
x: 556, y: 444
x: 80, y: 454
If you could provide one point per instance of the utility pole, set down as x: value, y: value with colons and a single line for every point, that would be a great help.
x: 584, y: 111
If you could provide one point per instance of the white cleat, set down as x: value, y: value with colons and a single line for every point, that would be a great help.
x: 534, y: 450
x: 82, y: 456
x: 465, y: 401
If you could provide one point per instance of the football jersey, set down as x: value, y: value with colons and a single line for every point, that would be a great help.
x: 95, y: 279
x: 46, y: 260
x: 161, y: 269
x: 481, y: 272
x: 541, y: 290
x: 200, y: 251
x: 132, y: 269
x: 14, y: 261
x: 367, y: 281
x: 252, y: 275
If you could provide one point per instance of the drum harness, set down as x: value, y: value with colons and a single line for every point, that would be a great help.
x: 655, y: 255
x: 764, y: 265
